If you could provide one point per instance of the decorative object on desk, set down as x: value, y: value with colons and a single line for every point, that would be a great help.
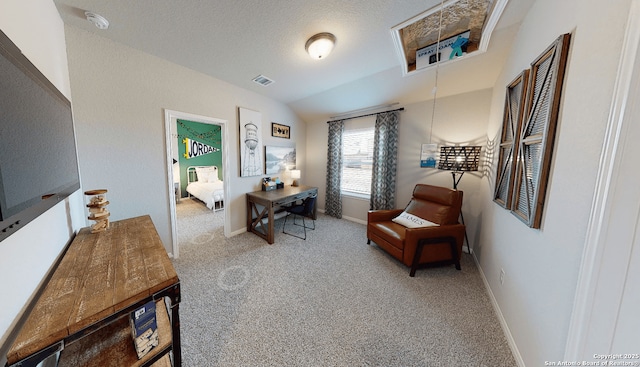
x: 268, y: 184
x: 98, y: 210
x: 459, y: 160
x: 250, y: 142
x: 144, y: 329
x: 278, y: 159
x: 279, y: 184
x: 280, y: 131
x: 428, y: 155
x: 295, y: 175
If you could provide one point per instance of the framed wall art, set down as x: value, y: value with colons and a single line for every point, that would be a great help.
x: 428, y: 155
x: 279, y: 130
x: 279, y: 159
x: 250, y: 142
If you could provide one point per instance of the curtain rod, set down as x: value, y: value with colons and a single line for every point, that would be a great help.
x: 369, y: 114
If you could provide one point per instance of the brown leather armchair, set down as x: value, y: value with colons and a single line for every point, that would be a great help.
x: 422, y: 247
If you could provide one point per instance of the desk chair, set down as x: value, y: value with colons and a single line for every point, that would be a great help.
x: 304, y: 210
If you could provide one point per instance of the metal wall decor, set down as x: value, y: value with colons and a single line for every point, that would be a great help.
x: 532, y: 142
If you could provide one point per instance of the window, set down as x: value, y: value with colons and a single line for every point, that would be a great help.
x: 357, y: 158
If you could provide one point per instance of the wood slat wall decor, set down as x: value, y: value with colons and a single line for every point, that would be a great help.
x: 513, y: 113
x: 528, y: 135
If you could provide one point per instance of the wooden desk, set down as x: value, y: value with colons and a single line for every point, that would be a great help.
x: 261, y: 207
x: 102, y: 278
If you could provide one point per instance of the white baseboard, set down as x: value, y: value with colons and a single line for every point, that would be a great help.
x: 349, y: 218
x: 239, y: 231
x: 355, y: 220
x: 503, y: 322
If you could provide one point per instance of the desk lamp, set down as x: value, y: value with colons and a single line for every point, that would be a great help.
x: 295, y: 175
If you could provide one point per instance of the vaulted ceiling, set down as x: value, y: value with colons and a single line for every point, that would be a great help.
x: 236, y: 41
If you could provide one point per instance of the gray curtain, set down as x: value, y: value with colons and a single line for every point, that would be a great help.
x: 385, y: 154
x: 333, y: 202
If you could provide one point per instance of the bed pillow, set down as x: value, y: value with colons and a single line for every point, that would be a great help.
x: 202, y: 174
x: 213, y: 177
x: 207, y: 174
x: 412, y: 221
x: 212, y: 174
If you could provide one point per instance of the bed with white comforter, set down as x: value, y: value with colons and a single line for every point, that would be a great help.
x: 204, y: 183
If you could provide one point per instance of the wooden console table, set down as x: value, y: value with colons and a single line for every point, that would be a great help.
x: 261, y: 207
x: 83, y: 311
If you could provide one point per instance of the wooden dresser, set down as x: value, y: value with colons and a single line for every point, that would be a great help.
x: 83, y: 312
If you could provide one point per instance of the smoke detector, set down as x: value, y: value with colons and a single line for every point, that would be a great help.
x: 98, y: 20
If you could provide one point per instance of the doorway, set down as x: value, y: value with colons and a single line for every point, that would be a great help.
x: 171, y: 122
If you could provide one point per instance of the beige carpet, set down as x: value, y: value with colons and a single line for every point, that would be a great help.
x: 331, y: 300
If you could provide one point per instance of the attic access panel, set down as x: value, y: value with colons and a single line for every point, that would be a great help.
x: 473, y: 19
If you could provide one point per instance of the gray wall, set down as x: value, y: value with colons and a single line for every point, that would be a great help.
x: 27, y: 255
x: 460, y: 119
x: 542, y: 266
x: 119, y: 96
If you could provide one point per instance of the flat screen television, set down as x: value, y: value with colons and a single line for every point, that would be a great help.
x: 38, y: 159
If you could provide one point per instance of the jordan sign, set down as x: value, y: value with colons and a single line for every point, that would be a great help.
x: 196, y: 149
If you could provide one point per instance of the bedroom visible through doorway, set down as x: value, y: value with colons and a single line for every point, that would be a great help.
x: 197, y: 161
x: 197, y: 166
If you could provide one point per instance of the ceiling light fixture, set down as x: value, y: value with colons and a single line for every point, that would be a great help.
x: 98, y: 20
x: 320, y: 45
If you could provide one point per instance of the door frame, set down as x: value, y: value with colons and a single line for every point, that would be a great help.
x: 601, y: 321
x: 170, y: 118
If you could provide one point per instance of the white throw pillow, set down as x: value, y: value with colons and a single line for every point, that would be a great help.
x: 412, y: 221
x: 213, y: 177
x: 212, y: 174
x: 201, y: 174
x: 207, y: 174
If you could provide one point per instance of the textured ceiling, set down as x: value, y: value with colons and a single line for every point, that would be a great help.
x: 235, y: 41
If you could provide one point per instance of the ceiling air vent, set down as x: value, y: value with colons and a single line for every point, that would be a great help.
x: 262, y: 80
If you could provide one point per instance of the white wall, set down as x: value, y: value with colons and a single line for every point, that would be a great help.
x: 119, y: 97
x: 541, y: 266
x: 460, y: 119
x: 27, y: 255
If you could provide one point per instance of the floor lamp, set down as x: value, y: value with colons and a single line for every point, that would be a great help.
x: 459, y: 160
